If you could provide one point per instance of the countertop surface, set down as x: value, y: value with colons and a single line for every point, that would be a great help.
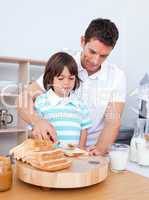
x: 117, y: 186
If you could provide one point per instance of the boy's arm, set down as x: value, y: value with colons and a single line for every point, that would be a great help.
x: 25, y: 107
x: 83, y: 139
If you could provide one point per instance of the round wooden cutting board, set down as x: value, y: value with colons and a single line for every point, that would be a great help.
x: 84, y: 171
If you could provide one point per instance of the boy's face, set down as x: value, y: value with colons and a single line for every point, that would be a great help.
x: 94, y: 54
x: 64, y: 83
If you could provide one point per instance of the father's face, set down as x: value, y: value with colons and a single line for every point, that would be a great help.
x: 94, y: 54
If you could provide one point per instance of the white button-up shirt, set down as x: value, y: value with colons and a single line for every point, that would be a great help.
x: 97, y: 90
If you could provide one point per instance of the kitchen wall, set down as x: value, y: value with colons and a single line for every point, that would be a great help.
x: 135, y: 51
x: 36, y: 29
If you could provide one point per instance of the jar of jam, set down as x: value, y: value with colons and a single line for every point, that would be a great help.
x: 5, y: 173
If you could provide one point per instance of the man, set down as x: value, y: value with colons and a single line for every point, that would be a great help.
x: 103, y: 88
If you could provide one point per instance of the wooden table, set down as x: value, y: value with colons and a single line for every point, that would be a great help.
x: 118, y: 186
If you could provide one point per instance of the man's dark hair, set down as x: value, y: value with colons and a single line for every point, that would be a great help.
x: 103, y: 30
x: 55, y: 67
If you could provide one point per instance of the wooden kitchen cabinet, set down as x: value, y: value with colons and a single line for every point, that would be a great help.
x: 24, y: 68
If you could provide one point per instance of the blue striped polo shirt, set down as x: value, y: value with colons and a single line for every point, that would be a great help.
x: 68, y: 115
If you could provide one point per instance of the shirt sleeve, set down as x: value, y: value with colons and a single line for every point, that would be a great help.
x: 119, y: 89
x: 39, y: 81
x: 86, y: 121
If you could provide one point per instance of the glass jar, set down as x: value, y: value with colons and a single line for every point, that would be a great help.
x: 5, y: 173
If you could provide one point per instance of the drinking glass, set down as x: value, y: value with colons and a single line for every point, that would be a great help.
x: 118, y: 154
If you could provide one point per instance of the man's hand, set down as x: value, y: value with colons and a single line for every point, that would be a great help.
x: 93, y: 151
x: 44, y: 130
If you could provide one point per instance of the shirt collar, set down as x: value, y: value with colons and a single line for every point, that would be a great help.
x: 102, y: 73
x: 54, y: 99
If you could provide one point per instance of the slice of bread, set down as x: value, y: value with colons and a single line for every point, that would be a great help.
x: 41, y: 154
x: 39, y: 145
x: 45, y: 155
x: 53, y: 167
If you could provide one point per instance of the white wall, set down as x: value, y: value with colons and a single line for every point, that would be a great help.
x: 135, y: 51
x: 35, y: 28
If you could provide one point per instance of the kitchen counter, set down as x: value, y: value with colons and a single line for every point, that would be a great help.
x: 118, y: 186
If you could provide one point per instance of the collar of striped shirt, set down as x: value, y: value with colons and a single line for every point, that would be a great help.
x: 56, y: 100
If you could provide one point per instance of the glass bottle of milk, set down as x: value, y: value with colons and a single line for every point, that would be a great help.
x: 137, y: 141
x: 147, y: 130
x: 133, y: 147
x: 143, y: 148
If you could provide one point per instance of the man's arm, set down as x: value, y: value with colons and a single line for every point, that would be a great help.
x: 112, y: 122
x: 25, y: 107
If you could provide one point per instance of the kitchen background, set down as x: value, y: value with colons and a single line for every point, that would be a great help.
x: 36, y: 29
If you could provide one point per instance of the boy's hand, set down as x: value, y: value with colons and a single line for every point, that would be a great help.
x: 44, y: 130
